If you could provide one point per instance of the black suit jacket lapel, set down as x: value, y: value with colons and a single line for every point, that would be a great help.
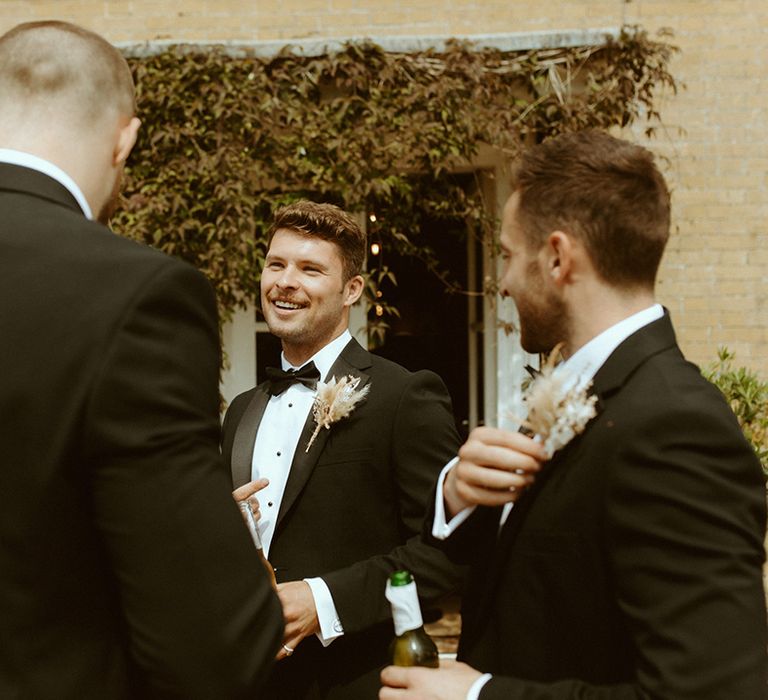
x: 245, y: 436
x: 623, y: 361
x: 352, y: 360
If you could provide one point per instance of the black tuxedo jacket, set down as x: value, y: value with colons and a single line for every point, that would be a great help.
x: 125, y: 569
x: 633, y: 567
x: 352, y: 511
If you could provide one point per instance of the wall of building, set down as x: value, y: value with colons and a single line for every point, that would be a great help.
x: 714, y: 277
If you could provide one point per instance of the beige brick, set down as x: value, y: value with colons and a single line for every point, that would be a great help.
x: 759, y: 256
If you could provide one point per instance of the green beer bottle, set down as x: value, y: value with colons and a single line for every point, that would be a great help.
x: 412, y: 645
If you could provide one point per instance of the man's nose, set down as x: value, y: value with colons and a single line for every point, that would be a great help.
x: 287, y: 279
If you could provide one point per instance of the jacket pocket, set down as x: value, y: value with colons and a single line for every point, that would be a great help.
x: 346, y: 457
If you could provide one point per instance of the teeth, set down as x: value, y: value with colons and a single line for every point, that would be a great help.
x: 286, y: 305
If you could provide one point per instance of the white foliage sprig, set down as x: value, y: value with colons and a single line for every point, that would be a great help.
x: 335, y: 400
x: 559, y: 408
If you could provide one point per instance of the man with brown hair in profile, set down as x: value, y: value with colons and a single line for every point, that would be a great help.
x: 125, y: 568
x: 630, y: 567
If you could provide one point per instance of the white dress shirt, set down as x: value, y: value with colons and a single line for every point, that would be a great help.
x: 583, y: 364
x: 27, y: 160
x: 276, y: 444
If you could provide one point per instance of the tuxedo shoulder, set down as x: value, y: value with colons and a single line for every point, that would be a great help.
x: 667, y: 398
x: 668, y: 380
x: 130, y: 252
x: 90, y: 254
x: 383, y: 365
x: 393, y: 384
x: 139, y: 267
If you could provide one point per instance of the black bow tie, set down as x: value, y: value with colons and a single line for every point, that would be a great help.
x: 280, y: 380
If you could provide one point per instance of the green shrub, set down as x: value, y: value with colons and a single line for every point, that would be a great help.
x: 747, y: 395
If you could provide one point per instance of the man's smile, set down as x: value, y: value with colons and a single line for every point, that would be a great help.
x: 286, y: 305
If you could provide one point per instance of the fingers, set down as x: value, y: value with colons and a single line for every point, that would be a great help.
x: 293, y: 615
x: 494, y: 467
x: 247, y: 490
x: 245, y: 497
x: 299, y: 611
x: 394, y: 677
x: 288, y: 648
x: 452, y: 681
x: 399, y: 683
x: 518, y: 442
x: 508, y: 453
x: 498, y: 485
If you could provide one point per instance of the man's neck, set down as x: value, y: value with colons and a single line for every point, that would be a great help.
x: 600, y: 310
x: 300, y: 355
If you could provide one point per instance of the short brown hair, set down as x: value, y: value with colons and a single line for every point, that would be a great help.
x: 53, y: 60
x: 329, y: 222
x: 603, y: 190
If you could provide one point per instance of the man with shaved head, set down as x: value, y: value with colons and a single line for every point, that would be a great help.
x: 125, y: 568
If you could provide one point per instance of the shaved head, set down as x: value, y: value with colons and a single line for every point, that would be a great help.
x: 61, y: 71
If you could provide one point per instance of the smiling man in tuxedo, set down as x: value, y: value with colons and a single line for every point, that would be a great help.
x: 340, y: 514
x: 125, y: 569
x: 631, y: 565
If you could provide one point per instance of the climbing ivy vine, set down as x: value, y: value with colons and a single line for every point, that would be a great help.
x: 226, y: 139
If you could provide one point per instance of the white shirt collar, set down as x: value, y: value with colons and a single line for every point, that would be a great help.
x: 325, y: 357
x: 590, y: 357
x: 27, y: 160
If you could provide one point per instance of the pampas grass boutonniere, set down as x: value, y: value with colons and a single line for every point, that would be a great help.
x: 334, y: 401
x: 559, y: 408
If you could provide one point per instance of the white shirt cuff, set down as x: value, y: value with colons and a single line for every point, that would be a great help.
x: 474, y: 690
x: 330, y: 625
x: 441, y: 529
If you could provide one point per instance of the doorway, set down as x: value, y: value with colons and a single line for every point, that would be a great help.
x: 438, y: 329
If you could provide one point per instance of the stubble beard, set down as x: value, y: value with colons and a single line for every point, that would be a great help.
x: 540, y: 333
x: 290, y: 334
x: 289, y: 331
x: 544, y: 318
x: 298, y: 334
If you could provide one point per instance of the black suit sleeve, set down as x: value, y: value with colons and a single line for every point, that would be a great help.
x: 684, y: 515
x: 424, y: 439
x: 202, y: 618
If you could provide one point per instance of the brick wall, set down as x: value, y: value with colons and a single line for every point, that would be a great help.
x: 714, y: 276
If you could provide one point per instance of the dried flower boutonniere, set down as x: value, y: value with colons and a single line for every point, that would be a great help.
x: 334, y: 401
x: 559, y: 408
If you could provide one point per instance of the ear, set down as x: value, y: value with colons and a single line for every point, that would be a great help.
x: 559, y: 257
x: 126, y: 140
x: 353, y: 289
